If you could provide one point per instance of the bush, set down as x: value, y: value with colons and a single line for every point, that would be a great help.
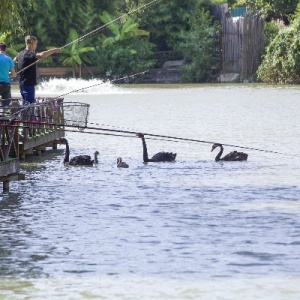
x: 281, y: 63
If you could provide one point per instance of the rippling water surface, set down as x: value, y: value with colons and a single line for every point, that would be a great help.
x: 193, y: 229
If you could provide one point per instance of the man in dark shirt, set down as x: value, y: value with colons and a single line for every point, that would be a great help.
x: 27, y: 67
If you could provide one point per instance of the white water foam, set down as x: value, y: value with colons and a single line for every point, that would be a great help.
x: 60, y: 86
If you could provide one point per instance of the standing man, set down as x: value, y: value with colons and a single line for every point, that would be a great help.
x: 6, y: 67
x: 28, y: 68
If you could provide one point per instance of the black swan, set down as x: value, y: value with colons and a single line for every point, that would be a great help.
x: 96, y: 153
x: 80, y: 160
x: 158, y: 157
x: 121, y: 164
x: 232, y: 156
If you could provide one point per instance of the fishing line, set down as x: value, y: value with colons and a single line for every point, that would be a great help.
x: 45, y: 119
x: 95, y: 31
x: 52, y: 99
x: 119, y: 135
x: 96, y: 84
x: 112, y: 126
x: 156, y: 136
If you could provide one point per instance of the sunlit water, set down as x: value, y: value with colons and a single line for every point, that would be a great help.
x: 193, y: 229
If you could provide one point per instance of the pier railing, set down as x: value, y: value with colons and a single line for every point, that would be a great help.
x: 9, y: 141
x: 9, y: 150
x: 27, y: 129
x: 35, y: 125
x: 40, y: 119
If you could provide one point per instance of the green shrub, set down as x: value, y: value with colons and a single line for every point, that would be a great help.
x: 281, y: 63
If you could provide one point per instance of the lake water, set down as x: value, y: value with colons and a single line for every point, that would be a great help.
x: 193, y: 229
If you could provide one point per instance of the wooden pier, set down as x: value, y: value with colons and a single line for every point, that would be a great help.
x: 27, y: 130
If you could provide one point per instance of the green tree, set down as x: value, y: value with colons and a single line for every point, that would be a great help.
x: 51, y: 24
x: 125, y: 48
x: 165, y: 20
x: 281, y: 63
x: 271, y: 8
x: 124, y: 30
x: 13, y: 16
x: 76, y: 54
x: 199, y: 46
x: 12, y: 49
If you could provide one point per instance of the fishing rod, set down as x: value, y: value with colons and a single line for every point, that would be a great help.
x: 95, y: 31
x: 27, y: 104
x: 66, y: 130
x: 154, y: 135
x: 119, y: 135
x: 16, y: 126
x: 67, y: 120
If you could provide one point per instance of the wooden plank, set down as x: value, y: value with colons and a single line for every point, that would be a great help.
x: 42, y: 140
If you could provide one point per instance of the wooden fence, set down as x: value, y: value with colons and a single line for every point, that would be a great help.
x: 241, y: 44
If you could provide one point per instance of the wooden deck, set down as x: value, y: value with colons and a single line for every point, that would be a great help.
x: 25, y: 130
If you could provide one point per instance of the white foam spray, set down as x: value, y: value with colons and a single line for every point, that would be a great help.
x: 59, y: 86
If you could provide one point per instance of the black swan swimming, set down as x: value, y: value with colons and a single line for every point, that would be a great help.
x: 232, y: 156
x: 121, y: 164
x: 80, y: 160
x: 158, y: 157
x: 96, y: 153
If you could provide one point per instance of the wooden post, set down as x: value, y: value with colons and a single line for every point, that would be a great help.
x: 5, y: 186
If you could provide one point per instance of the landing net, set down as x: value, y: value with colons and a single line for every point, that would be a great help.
x: 76, y: 113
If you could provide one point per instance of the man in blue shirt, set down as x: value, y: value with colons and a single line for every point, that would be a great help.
x: 6, y: 67
x: 27, y: 60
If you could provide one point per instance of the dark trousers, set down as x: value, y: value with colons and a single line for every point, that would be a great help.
x: 5, y: 93
x: 28, y: 93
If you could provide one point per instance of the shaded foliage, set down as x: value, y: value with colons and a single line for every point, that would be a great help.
x: 13, y: 16
x: 76, y: 54
x: 271, y: 8
x: 165, y: 20
x: 281, y: 63
x: 199, y: 46
x: 125, y: 49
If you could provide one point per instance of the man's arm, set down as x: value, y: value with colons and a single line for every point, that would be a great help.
x: 47, y: 53
x: 12, y: 72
